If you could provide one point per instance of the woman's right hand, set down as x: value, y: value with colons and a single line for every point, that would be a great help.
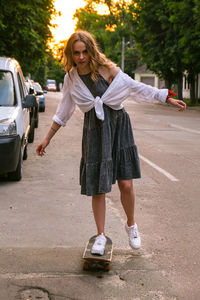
x: 41, y: 147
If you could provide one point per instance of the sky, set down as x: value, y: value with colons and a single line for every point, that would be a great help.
x: 65, y: 22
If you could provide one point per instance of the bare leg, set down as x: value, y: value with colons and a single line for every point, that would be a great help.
x: 99, y: 211
x: 127, y: 199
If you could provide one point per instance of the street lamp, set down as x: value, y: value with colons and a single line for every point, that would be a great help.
x: 123, y: 50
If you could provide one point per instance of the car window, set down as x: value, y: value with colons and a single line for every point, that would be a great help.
x: 7, y: 91
x: 20, y: 86
x: 37, y: 87
x: 51, y: 81
x: 23, y: 82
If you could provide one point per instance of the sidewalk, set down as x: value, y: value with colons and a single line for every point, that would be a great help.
x: 55, y: 273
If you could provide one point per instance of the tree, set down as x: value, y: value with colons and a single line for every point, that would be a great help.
x: 157, y: 40
x: 25, y: 30
x: 185, y: 19
x: 168, y: 37
x: 52, y: 67
x: 55, y: 68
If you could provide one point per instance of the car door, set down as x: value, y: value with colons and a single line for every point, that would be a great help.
x: 25, y: 111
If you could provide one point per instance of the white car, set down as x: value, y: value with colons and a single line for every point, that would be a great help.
x: 15, y: 104
x: 51, y: 85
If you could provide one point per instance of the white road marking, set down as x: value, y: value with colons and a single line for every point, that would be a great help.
x: 167, y: 174
x: 185, y: 129
x: 21, y: 276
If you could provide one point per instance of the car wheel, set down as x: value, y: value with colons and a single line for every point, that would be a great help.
x: 31, y: 132
x: 37, y: 121
x: 17, y: 174
x: 42, y: 109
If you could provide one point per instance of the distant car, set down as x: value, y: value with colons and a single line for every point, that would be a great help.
x: 51, y: 85
x: 34, y: 115
x: 40, y: 95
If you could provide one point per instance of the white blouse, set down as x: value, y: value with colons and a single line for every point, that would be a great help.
x: 75, y: 92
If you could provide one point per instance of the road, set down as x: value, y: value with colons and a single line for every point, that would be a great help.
x: 45, y: 222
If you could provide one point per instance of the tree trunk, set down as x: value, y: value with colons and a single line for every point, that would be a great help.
x: 180, y: 87
x: 168, y: 84
x: 197, y: 86
x: 192, y: 90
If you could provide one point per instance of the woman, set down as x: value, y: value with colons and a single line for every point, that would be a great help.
x: 109, y: 153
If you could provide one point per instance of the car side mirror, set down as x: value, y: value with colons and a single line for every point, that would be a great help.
x: 38, y: 93
x: 29, y: 101
x: 31, y: 90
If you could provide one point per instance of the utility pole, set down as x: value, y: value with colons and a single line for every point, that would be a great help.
x: 123, y: 50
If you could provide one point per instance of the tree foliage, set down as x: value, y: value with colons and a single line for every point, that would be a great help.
x: 184, y: 15
x: 168, y: 37
x: 52, y: 67
x: 157, y: 40
x: 25, y: 30
x: 55, y: 68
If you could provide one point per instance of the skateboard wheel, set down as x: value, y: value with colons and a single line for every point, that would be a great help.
x: 107, y: 267
x: 85, y: 265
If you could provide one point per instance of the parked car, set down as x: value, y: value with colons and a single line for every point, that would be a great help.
x: 34, y: 114
x: 51, y: 85
x: 40, y: 95
x: 15, y: 105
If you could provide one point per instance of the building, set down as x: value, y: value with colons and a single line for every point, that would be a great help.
x: 146, y: 76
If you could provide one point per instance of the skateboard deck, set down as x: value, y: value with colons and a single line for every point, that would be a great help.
x: 95, y: 261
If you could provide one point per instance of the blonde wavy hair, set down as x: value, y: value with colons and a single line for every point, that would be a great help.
x: 97, y: 58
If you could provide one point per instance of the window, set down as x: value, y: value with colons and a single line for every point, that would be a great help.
x: 7, y: 91
x: 23, y: 82
x: 21, y: 90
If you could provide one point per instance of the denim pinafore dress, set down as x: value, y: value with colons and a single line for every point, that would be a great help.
x: 109, y: 152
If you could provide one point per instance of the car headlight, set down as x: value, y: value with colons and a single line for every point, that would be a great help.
x: 8, y: 127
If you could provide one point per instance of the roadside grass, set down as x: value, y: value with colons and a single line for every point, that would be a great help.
x: 188, y: 102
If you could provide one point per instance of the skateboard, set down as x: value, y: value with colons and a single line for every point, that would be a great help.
x: 95, y: 261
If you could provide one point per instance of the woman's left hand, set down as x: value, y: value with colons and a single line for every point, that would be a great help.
x: 179, y: 103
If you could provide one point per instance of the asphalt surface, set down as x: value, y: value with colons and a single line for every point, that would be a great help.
x: 45, y: 222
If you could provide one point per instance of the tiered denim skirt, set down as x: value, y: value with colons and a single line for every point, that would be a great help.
x: 109, y: 152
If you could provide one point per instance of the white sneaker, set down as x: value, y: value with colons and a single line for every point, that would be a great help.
x: 99, y: 245
x: 134, y: 236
